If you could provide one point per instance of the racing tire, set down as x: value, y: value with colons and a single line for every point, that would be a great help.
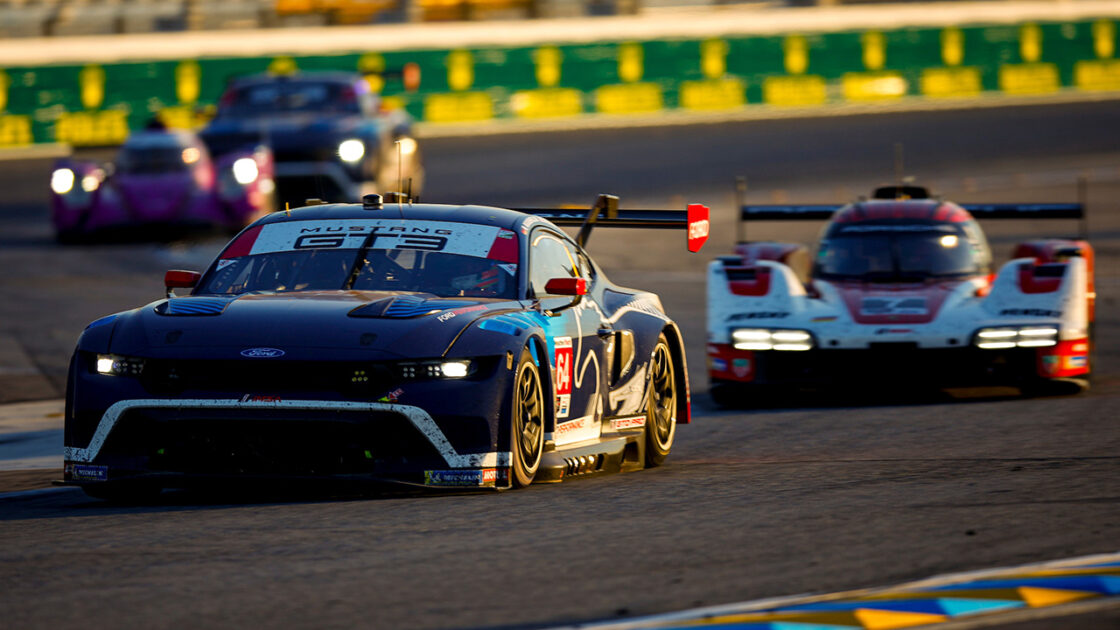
x: 661, y: 404
x: 526, y: 422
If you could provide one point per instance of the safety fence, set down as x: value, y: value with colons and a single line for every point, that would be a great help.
x: 97, y: 104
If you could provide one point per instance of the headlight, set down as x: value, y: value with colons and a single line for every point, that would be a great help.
x: 351, y: 150
x: 771, y: 339
x: 245, y: 171
x: 1016, y: 337
x: 437, y: 369
x: 407, y: 146
x: 91, y: 183
x: 62, y: 181
x: 114, y: 365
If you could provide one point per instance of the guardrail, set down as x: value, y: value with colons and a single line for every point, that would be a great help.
x: 99, y: 103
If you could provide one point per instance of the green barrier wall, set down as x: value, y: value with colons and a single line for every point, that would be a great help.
x: 99, y: 104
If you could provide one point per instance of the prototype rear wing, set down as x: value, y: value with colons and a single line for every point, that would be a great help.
x: 822, y: 212
x: 605, y: 212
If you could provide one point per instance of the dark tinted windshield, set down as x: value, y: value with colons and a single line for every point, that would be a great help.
x: 149, y: 160
x: 897, y: 252
x: 443, y: 274
x: 290, y: 96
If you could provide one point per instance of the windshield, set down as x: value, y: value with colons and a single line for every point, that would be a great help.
x: 149, y: 160
x: 290, y: 96
x: 897, y: 252
x: 442, y: 258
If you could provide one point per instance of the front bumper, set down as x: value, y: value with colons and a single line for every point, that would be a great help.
x: 179, y: 442
x: 899, y: 364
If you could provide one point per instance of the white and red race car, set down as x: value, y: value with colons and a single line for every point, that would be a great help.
x: 901, y: 291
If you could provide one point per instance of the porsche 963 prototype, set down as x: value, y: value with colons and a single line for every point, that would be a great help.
x: 901, y: 291
x: 389, y: 341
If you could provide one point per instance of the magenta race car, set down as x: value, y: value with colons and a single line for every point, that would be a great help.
x: 161, y: 184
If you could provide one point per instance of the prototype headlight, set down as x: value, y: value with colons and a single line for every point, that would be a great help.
x: 114, y: 365
x: 245, y: 171
x: 62, y: 181
x: 771, y: 339
x: 437, y: 369
x: 351, y: 150
x: 1016, y: 337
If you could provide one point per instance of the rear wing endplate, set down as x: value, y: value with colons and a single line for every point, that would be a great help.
x: 694, y: 219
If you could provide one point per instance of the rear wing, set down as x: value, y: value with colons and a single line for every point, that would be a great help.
x: 822, y: 212
x: 605, y: 212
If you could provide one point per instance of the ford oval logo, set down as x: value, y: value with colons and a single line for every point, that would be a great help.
x: 262, y: 353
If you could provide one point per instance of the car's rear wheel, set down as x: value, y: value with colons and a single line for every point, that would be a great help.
x: 527, y: 423
x: 661, y: 404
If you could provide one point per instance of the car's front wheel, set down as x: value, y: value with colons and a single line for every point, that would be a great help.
x: 661, y: 404
x: 527, y: 423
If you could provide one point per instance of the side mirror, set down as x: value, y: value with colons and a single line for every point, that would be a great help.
x: 566, y: 286
x: 180, y: 279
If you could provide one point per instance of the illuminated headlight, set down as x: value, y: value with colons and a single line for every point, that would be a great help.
x: 245, y: 171
x: 437, y: 369
x: 91, y: 183
x: 114, y: 365
x: 62, y: 181
x: 407, y: 146
x: 351, y: 150
x: 768, y: 339
x: 1021, y: 337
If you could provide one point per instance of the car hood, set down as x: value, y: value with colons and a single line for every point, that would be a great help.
x: 349, y: 325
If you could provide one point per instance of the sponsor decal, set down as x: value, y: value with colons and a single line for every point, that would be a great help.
x: 719, y: 365
x: 563, y: 405
x: 223, y: 263
x: 87, y: 472
x: 483, y: 477
x: 259, y: 398
x: 893, y: 331
x: 563, y: 365
x: 1029, y: 312
x: 262, y: 353
x: 1050, y: 363
x: 741, y: 367
x: 456, y: 238
x: 634, y: 422
x: 698, y: 226
x: 1075, y: 362
x: 509, y: 268
x: 758, y: 315
x: 883, y: 305
x: 564, y: 428
x: 392, y: 396
x: 459, y: 311
x: 827, y: 318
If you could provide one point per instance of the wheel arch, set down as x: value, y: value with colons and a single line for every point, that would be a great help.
x: 676, y: 349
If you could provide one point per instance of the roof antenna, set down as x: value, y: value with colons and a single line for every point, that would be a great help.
x: 899, y: 164
x: 400, y: 175
x: 740, y: 200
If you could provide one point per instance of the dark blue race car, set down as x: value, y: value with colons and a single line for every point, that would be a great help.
x: 331, y: 136
x: 391, y: 342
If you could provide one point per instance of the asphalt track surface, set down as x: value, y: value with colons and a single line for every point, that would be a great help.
x: 803, y: 495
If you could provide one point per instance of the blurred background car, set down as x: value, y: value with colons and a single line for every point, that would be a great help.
x: 161, y: 184
x: 331, y: 136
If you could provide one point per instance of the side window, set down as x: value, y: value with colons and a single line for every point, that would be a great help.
x: 549, y: 259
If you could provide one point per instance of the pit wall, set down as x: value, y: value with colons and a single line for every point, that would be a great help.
x: 98, y: 104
